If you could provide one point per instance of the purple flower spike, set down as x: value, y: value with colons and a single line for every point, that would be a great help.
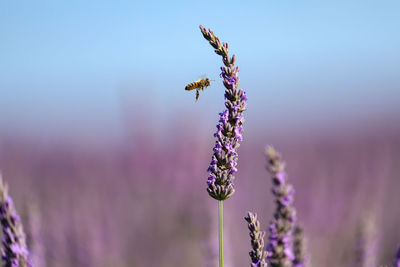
x: 258, y: 254
x: 14, y: 252
x: 397, y: 263
x: 229, y: 127
x: 280, y: 250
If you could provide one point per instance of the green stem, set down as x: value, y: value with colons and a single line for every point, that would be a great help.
x: 221, y: 257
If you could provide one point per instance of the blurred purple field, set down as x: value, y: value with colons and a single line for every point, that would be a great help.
x: 144, y: 203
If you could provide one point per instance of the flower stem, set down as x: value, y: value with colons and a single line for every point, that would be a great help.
x: 221, y: 257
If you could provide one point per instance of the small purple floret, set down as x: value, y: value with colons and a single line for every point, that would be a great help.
x: 211, y: 179
x: 243, y: 97
x: 218, y: 147
x: 224, y: 116
x: 218, y: 133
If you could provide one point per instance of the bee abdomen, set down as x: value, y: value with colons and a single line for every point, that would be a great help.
x: 190, y: 86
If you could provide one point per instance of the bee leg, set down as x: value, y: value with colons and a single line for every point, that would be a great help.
x: 197, y: 94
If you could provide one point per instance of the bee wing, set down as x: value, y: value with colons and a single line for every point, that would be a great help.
x: 203, y: 76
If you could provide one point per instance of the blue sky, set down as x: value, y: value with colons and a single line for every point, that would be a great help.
x: 69, y: 66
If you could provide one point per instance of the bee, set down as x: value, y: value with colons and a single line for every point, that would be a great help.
x: 198, y: 85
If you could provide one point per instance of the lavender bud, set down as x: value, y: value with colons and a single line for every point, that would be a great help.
x: 233, y: 60
x: 225, y: 60
x: 225, y: 48
x: 218, y: 43
x: 218, y: 52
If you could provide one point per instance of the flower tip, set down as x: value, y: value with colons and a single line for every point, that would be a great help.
x: 270, y: 151
x: 250, y: 216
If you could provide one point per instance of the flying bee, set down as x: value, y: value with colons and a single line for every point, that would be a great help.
x: 198, y: 85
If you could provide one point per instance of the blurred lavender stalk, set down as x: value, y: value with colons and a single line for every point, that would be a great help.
x: 397, y: 263
x: 299, y: 248
x: 210, y: 248
x: 366, y: 247
x: 229, y: 132
x: 258, y: 254
x: 14, y: 251
x: 211, y: 258
x: 35, y: 235
x: 280, y: 250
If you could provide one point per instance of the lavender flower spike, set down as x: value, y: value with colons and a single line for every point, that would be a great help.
x: 398, y: 259
x: 14, y: 251
x: 280, y: 251
x: 229, y: 128
x: 258, y: 254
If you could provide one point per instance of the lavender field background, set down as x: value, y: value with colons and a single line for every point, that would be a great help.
x: 122, y: 206
x: 106, y: 155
